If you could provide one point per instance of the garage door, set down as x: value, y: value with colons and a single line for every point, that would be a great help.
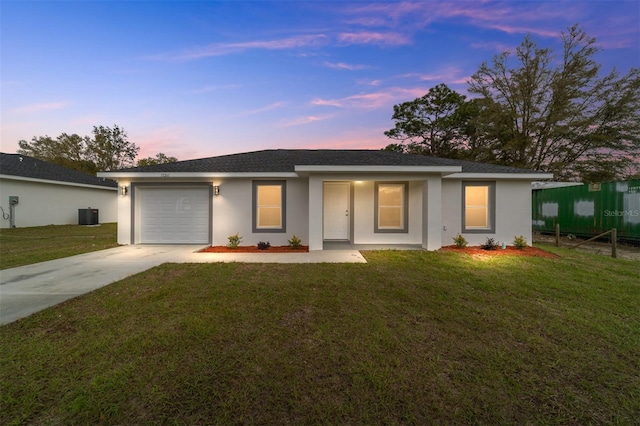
x: 174, y: 215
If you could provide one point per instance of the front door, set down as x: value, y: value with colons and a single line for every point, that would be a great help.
x: 336, y: 215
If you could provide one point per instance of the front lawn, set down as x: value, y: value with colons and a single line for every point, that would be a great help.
x: 409, y: 338
x: 24, y: 246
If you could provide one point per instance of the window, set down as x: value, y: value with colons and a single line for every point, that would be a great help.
x: 269, y: 206
x: 478, y: 203
x: 391, y: 214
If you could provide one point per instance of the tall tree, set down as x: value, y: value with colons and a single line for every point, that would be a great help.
x: 430, y: 125
x: 558, y: 114
x: 109, y: 149
x: 160, y: 158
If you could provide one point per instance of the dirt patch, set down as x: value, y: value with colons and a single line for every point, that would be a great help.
x: 594, y: 247
x: 254, y: 249
x: 509, y: 251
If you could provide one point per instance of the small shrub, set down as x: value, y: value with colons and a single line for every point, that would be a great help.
x: 264, y: 246
x: 520, y: 242
x: 460, y: 241
x: 490, y: 244
x: 234, y: 241
x: 295, y: 242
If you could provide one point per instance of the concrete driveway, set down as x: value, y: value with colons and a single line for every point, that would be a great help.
x: 28, y: 289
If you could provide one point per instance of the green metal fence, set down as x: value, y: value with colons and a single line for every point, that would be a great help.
x: 590, y: 209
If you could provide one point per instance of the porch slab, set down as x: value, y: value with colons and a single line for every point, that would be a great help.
x: 346, y: 245
x: 314, y: 256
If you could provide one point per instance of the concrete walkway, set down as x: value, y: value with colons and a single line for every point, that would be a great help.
x: 28, y: 289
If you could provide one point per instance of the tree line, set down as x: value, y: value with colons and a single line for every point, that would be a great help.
x: 536, y: 109
x: 107, y: 149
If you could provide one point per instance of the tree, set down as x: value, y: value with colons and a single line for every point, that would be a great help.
x: 559, y: 116
x: 160, y: 158
x: 109, y: 149
x: 431, y: 125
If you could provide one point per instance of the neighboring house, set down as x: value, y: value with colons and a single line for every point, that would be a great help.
x: 360, y: 196
x: 48, y: 194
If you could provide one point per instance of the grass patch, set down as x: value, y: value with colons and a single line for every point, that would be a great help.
x: 24, y: 246
x: 409, y: 338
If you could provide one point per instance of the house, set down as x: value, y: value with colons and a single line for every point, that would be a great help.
x: 44, y: 193
x: 359, y: 196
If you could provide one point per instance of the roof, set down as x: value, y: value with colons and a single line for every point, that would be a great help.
x: 32, y: 168
x: 285, y: 160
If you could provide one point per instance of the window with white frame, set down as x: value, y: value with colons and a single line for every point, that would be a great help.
x: 478, y: 200
x: 269, y: 207
x: 391, y: 213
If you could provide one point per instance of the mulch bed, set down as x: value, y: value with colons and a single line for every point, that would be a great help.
x: 254, y: 249
x: 509, y: 251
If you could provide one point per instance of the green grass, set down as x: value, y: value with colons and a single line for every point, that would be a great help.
x: 24, y: 246
x: 409, y: 338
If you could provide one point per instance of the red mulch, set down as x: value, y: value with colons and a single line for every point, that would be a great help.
x: 254, y: 249
x: 510, y: 250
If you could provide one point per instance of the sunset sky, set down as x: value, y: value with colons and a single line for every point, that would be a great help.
x: 199, y: 79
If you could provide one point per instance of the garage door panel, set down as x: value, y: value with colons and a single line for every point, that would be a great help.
x: 174, y: 215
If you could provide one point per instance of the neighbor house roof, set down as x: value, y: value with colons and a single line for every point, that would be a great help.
x: 28, y: 168
x: 286, y: 160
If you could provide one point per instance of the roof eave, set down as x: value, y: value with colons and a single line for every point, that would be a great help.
x: 379, y: 169
x: 57, y: 182
x: 131, y: 175
x: 520, y: 176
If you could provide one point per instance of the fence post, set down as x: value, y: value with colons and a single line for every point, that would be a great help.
x: 614, y: 242
x: 557, y: 235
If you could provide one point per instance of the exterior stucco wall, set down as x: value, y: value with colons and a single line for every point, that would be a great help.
x: 231, y: 211
x: 513, y: 212
x: 43, y: 203
x: 364, y: 208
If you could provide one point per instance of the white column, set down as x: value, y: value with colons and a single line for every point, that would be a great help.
x: 315, y: 213
x: 432, y: 213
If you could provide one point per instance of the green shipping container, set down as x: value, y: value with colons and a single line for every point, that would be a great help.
x: 590, y: 209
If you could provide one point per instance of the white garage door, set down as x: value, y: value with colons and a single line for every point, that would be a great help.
x: 174, y: 215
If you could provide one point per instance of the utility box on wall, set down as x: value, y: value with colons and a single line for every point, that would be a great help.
x: 88, y: 216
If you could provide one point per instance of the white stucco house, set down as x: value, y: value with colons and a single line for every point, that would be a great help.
x: 49, y: 194
x: 359, y: 196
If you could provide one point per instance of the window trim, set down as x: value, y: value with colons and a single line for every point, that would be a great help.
x: 254, y: 214
x: 405, y: 209
x: 491, y: 216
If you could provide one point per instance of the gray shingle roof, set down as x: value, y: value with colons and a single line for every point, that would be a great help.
x: 29, y: 167
x: 285, y: 160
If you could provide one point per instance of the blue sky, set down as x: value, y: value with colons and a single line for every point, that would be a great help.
x: 197, y: 79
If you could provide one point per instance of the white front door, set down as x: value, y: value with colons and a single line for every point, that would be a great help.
x: 336, y: 215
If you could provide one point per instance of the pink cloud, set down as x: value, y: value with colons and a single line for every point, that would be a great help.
x: 168, y: 140
x: 411, y: 16
x: 345, y: 66
x: 219, y: 49
x: 359, y: 138
x: 306, y: 120
x: 47, y: 106
x: 367, y: 37
x: 374, y: 100
x: 260, y: 110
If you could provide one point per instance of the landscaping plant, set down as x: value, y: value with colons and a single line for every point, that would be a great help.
x: 520, y: 242
x: 234, y: 241
x: 295, y: 242
x: 460, y: 241
x: 264, y: 246
x: 490, y: 244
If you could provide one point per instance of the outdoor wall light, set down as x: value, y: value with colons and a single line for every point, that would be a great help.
x: 124, y: 189
x: 216, y: 190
